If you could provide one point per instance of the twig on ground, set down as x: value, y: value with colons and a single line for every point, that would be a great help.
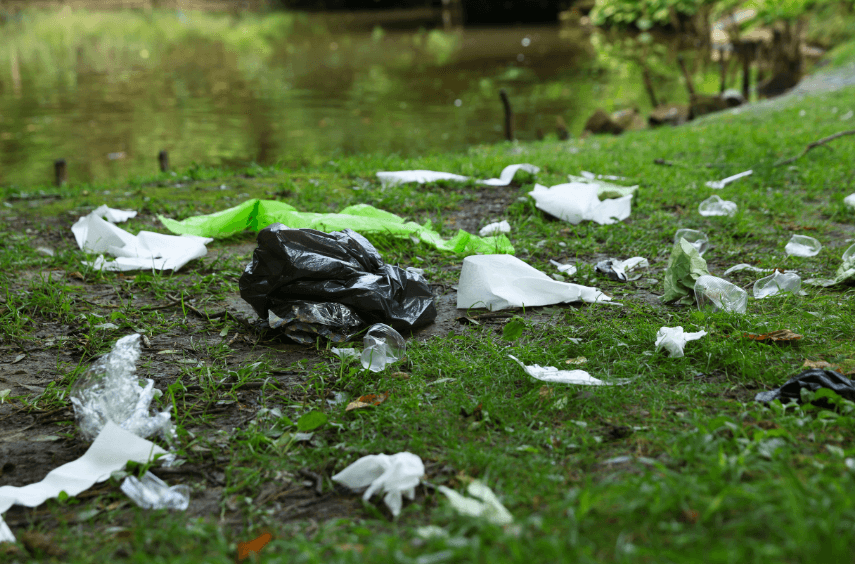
x: 815, y: 144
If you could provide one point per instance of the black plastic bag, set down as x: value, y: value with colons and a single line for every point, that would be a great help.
x: 331, y: 284
x: 812, y: 380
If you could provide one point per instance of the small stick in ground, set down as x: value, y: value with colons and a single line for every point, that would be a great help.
x: 509, y: 115
x: 818, y: 143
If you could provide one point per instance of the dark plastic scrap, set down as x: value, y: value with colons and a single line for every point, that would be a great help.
x: 812, y: 380
x: 330, y: 284
x: 609, y: 268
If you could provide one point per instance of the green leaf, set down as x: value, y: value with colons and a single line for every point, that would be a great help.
x: 311, y: 421
x: 513, y: 329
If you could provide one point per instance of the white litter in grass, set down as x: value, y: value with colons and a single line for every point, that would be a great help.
x: 495, y: 229
x: 394, y: 178
x: 719, y: 184
x: 552, y: 374
x: 483, y: 503
x: 153, y: 493
x: 568, y: 269
x: 849, y: 200
x: 698, y: 239
x: 674, y: 339
x: 397, y: 475
x: 714, y: 205
x: 776, y: 283
x: 113, y: 215
x: 742, y: 266
x: 575, y: 202
x: 803, y: 246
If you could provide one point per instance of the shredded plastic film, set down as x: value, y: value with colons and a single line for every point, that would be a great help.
x: 714, y: 205
x: 720, y: 294
x: 777, y: 283
x: 698, y: 239
x: 803, y: 246
x: 153, y: 493
x: 383, y: 346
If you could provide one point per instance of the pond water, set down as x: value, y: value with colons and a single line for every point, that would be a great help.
x: 306, y: 89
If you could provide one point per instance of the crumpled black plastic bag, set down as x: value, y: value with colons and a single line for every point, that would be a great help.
x: 813, y: 380
x: 305, y: 267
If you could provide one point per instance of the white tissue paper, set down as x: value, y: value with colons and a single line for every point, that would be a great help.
x: 575, y: 202
x: 849, y: 200
x: 424, y: 176
x: 673, y: 339
x: 396, y: 475
x: 113, y: 215
x: 143, y: 251
x: 110, y: 451
x: 483, y: 503
x: 552, y: 374
x: 495, y: 229
x: 501, y: 281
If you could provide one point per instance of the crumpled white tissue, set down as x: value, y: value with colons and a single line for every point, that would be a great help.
x: 719, y: 184
x: 487, y: 505
x: 673, y: 339
x: 393, y: 178
x: 575, y: 202
x: 110, y: 451
x: 113, y: 215
x: 495, y: 229
x: 501, y: 281
x: 396, y: 474
x: 552, y: 374
x: 134, y: 252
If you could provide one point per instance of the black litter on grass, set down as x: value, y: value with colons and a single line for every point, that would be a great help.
x: 813, y: 380
x: 311, y: 283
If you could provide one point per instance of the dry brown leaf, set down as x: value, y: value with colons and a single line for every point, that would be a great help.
x: 368, y: 400
x: 401, y: 375
x: 774, y: 336
x: 823, y: 365
x: 545, y: 392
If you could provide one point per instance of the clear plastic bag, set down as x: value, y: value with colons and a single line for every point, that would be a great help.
x: 153, y: 493
x: 776, y: 283
x: 698, y: 239
x: 714, y: 205
x: 720, y: 294
x: 383, y: 345
x: 803, y: 246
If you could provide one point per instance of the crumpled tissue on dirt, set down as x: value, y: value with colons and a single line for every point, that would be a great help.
x: 397, y: 475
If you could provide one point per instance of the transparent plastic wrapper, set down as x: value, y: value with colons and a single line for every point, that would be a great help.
x: 845, y: 272
x: 674, y: 339
x: 803, y: 246
x: 153, y: 493
x: 720, y: 294
x: 109, y: 391
x: 742, y: 266
x: 714, y: 205
x: 719, y: 184
x: 397, y: 475
x: 495, y: 229
x: 304, y: 322
x: 698, y: 239
x: 483, y: 503
x: 309, y: 271
x: 383, y: 345
x: 777, y: 283
x: 813, y: 380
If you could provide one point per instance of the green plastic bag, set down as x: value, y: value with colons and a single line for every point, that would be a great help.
x: 685, y: 266
x: 362, y: 218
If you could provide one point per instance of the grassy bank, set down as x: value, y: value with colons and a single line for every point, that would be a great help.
x: 681, y: 465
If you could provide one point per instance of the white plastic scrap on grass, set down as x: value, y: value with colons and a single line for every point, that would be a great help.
x: 501, y: 281
x: 113, y: 215
x: 495, y: 229
x: 153, y: 493
x: 568, y: 269
x: 397, y: 475
x: 110, y: 392
x: 674, y: 339
x: 575, y: 202
x: 742, y: 266
x: 552, y: 374
x: 849, y: 200
x: 720, y: 294
x: 483, y: 503
x: 714, y: 205
x: 719, y: 184
x: 110, y: 451
x: 145, y: 250
x: 425, y: 176
x: 776, y: 283
x: 803, y: 246
x: 698, y: 239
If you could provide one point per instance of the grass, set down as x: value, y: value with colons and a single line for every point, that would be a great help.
x: 681, y: 465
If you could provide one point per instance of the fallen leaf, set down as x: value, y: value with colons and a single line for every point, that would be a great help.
x: 38, y: 544
x: 579, y: 360
x: 19, y: 358
x: 367, y: 401
x: 401, y: 375
x: 775, y: 336
x: 77, y: 275
x: 823, y: 365
x: 168, y: 351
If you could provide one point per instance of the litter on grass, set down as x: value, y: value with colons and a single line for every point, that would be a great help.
x: 153, y: 493
x: 616, y: 269
x: 395, y: 475
x: 495, y: 229
x: 111, y: 450
x: 714, y: 205
x: 849, y: 200
x: 483, y: 503
x: 719, y: 184
x: 604, y: 189
x: 109, y: 392
x: 674, y: 339
x: 501, y: 281
x: 312, y: 283
x: 685, y: 266
x: 113, y: 215
x: 568, y: 269
x: 778, y: 282
x: 845, y: 272
x: 720, y: 294
x: 383, y: 346
x: 145, y: 250
x: 579, y: 201
x: 698, y: 239
x: 813, y: 380
x: 803, y: 246
x: 742, y: 266
x: 552, y: 374
x: 425, y: 176
x: 781, y: 336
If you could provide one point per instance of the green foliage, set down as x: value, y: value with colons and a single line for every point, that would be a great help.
x: 513, y: 329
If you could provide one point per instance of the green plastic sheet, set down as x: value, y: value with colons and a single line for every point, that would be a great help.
x: 362, y: 218
x: 685, y: 266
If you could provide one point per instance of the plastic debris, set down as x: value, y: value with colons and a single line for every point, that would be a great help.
x: 592, y: 176
x: 579, y: 201
x: 714, y: 205
x: 368, y: 400
x: 501, y: 281
x: 338, y: 277
x: 109, y: 391
x: 145, y: 250
x: 698, y: 239
x: 719, y: 184
x: 776, y: 283
x: 803, y: 246
x: 113, y: 215
x: 604, y: 189
x: 674, y: 339
x: 849, y: 200
x: 110, y: 451
x: 362, y: 218
x: 153, y: 493
x: 685, y: 266
x: 552, y: 374
x: 383, y: 346
x: 345, y: 354
x: 742, y: 266
x: 616, y: 269
x: 568, y: 269
x: 396, y: 475
x: 425, y: 176
x: 813, y: 380
x: 845, y: 272
x: 483, y: 503
x: 495, y: 228
x: 720, y: 294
